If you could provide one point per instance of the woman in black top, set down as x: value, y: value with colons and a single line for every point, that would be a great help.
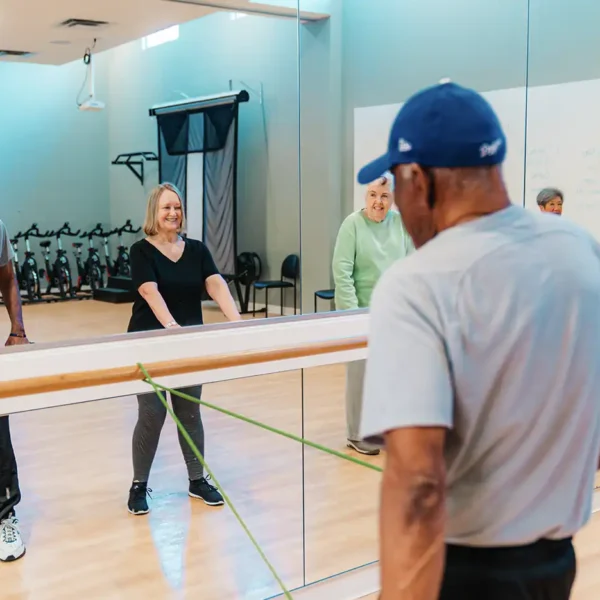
x: 170, y: 274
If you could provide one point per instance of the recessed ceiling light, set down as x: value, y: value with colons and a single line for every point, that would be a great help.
x: 60, y: 42
x: 16, y: 53
x: 82, y: 23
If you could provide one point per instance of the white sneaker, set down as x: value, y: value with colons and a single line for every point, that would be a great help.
x: 11, y: 543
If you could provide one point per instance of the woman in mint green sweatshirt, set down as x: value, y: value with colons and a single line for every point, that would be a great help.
x: 369, y: 241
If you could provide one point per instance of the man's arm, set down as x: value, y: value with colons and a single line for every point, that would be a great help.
x: 408, y: 406
x: 218, y: 290
x: 412, y: 515
x: 12, y: 299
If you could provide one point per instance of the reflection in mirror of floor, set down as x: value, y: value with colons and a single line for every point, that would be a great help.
x: 75, y: 474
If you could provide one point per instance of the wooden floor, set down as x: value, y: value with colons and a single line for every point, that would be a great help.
x: 75, y: 469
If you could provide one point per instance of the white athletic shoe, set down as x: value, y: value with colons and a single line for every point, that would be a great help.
x: 11, y: 543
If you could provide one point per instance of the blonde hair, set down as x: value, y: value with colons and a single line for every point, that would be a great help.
x: 151, y: 221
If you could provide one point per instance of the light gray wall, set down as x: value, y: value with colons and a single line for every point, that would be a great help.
x: 321, y: 132
x: 53, y: 158
x: 392, y: 48
x: 564, y: 42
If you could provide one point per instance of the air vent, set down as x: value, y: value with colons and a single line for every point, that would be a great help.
x: 20, y: 53
x: 70, y: 23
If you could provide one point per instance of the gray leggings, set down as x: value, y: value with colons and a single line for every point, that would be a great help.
x: 151, y: 417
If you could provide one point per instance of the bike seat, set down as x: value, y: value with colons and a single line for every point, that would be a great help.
x: 45, y: 244
x: 77, y: 245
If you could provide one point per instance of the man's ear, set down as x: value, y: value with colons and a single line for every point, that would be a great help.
x: 406, y: 172
x: 413, y: 174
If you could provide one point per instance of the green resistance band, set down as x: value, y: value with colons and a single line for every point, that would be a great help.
x: 199, y: 456
x: 157, y: 388
x: 285, y: 434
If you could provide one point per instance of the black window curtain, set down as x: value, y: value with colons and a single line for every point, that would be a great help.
x: 211, y: 131
x: 204, y: 131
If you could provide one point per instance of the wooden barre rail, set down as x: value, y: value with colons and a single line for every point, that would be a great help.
x: 82, y: 379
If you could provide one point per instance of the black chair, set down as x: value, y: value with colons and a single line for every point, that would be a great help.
x: 290, y: 270
x: 324, y: 295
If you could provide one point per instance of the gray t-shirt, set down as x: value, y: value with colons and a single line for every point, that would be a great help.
x: 6, y: 249
x: 492, y: 330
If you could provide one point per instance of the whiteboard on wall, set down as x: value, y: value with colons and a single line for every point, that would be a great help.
x: 563, y: 144
x: 372, y: 126
x: 563, y: 148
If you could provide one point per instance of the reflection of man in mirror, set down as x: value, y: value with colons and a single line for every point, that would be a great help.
x: 11, y: 543
x: 551, y: 200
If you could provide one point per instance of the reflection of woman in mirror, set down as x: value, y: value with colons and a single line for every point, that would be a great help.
x: 368, y: 242
x: 170, y: 274
x: 550, y: 200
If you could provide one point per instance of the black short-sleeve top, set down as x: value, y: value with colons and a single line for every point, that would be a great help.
x: 181, y: 283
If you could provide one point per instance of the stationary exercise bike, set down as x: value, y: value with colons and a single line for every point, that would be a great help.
x: 121, y: 266
x: 109, y: 265
x: 58, y: 274
x: 90, y: 271
x: 27, y: 275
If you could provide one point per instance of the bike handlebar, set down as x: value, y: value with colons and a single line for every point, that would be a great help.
x: 66, y: 230
x: 33, y: 231
x: 128, y: 228
x: 97, y: 231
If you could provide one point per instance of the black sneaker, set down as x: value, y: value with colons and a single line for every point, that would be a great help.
x: 138, y: 505
x: 200, y: 488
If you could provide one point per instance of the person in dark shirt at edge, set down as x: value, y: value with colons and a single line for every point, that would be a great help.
x: 170, y: 274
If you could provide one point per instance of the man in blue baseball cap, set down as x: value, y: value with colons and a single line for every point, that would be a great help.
x: 483, y: 369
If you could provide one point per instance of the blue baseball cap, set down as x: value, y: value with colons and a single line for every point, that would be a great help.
x: 442, y: 126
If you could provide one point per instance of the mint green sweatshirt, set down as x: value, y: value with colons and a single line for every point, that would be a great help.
x: 363, y: 250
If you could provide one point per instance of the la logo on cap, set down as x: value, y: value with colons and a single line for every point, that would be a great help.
x: 489, y: 149
x: 445, y: 80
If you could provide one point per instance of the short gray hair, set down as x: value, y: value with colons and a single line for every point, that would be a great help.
x: 547, y: 194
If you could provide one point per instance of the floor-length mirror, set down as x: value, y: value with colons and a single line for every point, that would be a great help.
x: 97, y: 112
x: 563, y: 159
x: 357, y: 68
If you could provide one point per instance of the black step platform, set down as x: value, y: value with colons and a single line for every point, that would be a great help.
x: 119, y: 291
x: 114, y: 295
x: 121, y: 283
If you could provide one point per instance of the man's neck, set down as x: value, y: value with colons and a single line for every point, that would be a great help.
x: 458, y: 212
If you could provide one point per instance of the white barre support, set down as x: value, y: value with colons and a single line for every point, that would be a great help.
x: 22, y: 362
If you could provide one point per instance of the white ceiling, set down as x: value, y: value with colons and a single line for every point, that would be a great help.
x: 34, y: 25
